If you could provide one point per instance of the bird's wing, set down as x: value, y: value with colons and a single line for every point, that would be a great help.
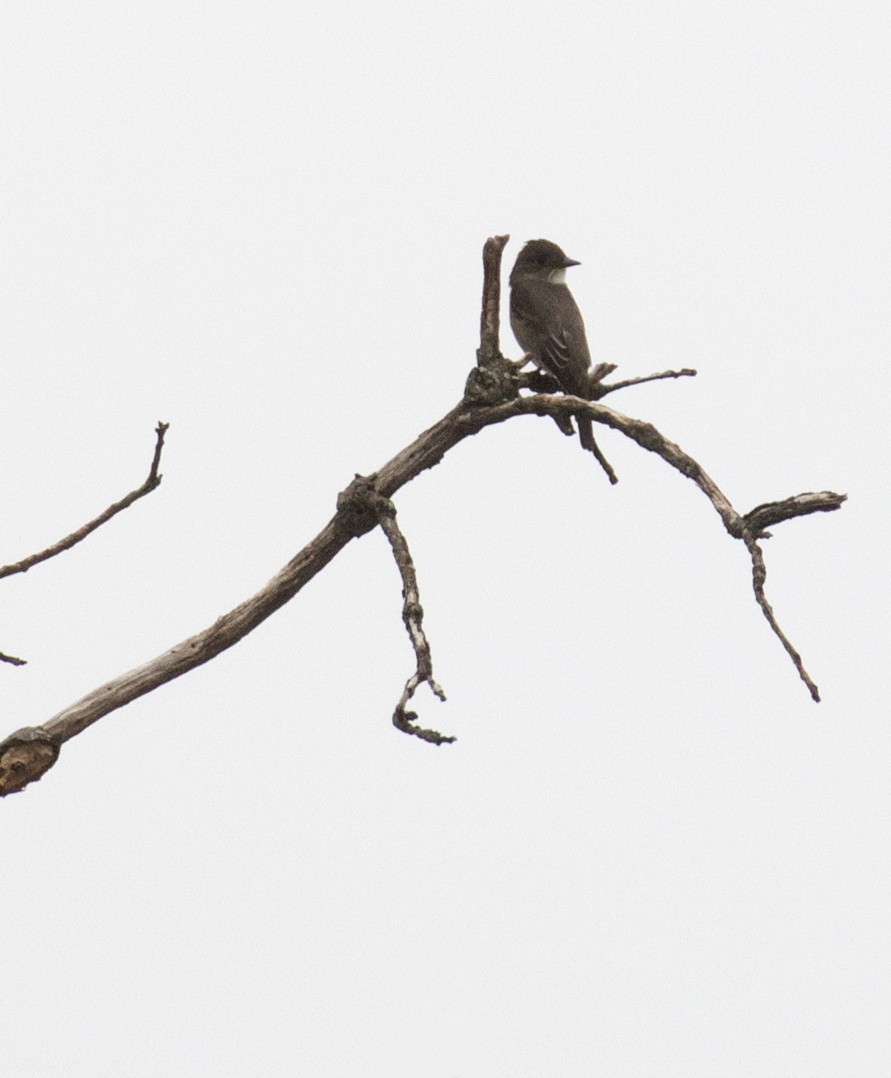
x: 559, y: 353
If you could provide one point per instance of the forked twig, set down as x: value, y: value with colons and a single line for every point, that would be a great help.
x: 359, y: 502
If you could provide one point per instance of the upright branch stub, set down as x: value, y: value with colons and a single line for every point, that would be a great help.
x: 490, y: 347
x: 494, y: 379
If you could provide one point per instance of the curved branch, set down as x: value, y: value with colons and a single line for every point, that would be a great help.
x: 412, y: 616
x: 427, y: 450
x: 152, y: 481
x: 759, y: 575
x: 491, y: 397
x: 365, y: 503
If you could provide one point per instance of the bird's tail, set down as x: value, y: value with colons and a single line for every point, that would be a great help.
x: 586, y: 437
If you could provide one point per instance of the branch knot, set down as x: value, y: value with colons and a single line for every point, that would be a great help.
x: 495, y: 381
x: 361, y: 506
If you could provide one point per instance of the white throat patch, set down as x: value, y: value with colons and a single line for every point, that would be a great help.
x: 557, y: 276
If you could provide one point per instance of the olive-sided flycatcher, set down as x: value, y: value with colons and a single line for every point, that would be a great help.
x: 548, y: 325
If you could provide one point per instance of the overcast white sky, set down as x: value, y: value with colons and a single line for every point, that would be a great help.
x: 648, y: 853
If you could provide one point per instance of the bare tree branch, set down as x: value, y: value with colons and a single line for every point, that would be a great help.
x: 365, y: 504
x: 412, y: 616
x: 759, y: 575
x: 602, y: 388
x: 492, y: 396
x: 151, y: 482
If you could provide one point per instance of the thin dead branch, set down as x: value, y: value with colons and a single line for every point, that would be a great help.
x: 151, y: 482
x: 759, y: 575
x: 603, y: 388
x: 413, y: 617
x: 363, y: 503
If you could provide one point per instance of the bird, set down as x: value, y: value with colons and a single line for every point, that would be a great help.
x: 548, y: 324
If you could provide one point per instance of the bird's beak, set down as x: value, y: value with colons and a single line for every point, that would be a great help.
x: 571, y: 262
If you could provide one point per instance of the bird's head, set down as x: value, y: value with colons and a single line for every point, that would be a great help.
x: 543, y: 260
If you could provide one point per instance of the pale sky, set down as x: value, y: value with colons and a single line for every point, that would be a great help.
x: 649, y: 853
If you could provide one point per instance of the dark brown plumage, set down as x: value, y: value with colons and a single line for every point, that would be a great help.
x: 548, y: 324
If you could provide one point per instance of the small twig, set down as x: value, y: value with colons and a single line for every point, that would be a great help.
x: 600, y: 390
x: 755, y: 523
x: 12, y: 660
x: 412, y: 616
x: 71, y: 540
x: 759, y: 575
